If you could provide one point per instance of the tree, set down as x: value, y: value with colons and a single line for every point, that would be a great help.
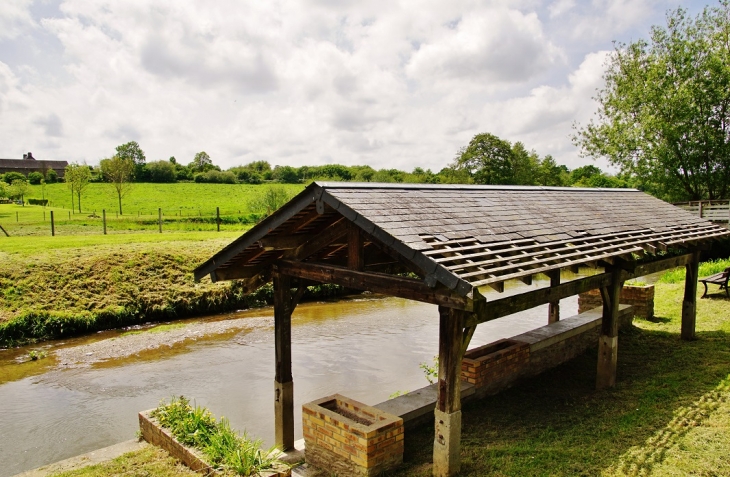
x: 664, y: 113
x: 119, y: 172
x: 78, y: 177
x: 270, y: 201
x: 131, y: 151
x: 201, y: 163
x: 18, y: 188
x: 487, y: 159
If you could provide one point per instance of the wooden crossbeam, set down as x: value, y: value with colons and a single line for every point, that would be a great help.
x: 403, y: 287
x: 514, y: 304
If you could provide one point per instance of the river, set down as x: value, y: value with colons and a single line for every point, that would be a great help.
x: 365, y: 348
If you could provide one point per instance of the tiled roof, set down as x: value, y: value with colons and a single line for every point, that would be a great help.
x: 476, y: 235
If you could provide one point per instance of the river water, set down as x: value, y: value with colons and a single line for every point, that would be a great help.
x: 364, y: 348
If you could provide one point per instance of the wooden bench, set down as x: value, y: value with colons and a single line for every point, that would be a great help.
x: 717, y: 279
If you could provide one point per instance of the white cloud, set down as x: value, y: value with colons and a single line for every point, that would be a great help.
x: 15, y: 18
x: 390, y: 84
x: 494, y: 46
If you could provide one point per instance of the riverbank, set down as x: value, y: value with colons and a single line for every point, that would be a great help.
x: 87, y: 284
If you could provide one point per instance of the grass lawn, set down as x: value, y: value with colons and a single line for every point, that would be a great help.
x: 184, y: 206
x: 668, y: 415
x: 145, y: 198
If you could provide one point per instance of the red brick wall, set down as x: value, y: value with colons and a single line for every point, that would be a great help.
x: 641, y: 297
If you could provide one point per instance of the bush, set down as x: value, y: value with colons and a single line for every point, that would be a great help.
x: 9, y: 177
x: 215, y: 177
x: 35, y: 178
x: 161, y: 171
x: 51, y: 176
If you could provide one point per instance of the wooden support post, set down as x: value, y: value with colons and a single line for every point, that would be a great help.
x: 103, y: 219
x: 608, y: 341
x: 218, y: 218
x: 554, y: 306
x: 355, y: 252
x: 159, y: 218
x: 689, y: 304
x: 283, y: 383
x: 447, y: 440
x: 53, y: 226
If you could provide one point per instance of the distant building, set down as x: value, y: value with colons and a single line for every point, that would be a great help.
x: 30, y: 164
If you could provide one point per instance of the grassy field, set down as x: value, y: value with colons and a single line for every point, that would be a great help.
x: 185, y: 207
x: 669, y: 414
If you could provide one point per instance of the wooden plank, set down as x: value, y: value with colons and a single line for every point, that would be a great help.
x: 375, y: 282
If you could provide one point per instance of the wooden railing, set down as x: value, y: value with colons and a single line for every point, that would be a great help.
x: 713, y: 210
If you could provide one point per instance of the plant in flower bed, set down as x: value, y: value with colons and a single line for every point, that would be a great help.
x: 224, y: 448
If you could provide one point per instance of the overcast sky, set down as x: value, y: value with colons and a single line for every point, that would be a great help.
x: 386, y: 83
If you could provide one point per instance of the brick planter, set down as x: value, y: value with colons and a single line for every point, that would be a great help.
x: 640, y: 297
x: 155, y: 434
x: 348, y: 438
x: 494, y: 364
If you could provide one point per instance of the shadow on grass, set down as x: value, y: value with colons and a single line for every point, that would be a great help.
x: 558, y: 424
x: 658, y: 319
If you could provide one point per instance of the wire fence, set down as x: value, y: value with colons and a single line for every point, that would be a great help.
x: 43, y: 221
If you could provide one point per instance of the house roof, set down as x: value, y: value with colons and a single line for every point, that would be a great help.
x: 31, y: 164
x: 465, y: 236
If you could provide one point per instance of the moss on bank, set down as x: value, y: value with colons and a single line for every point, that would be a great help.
x: 68, y: 292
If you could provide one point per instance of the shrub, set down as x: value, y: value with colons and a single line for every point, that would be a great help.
x: 51, y: 176
x: 13, y: 176
x: 161, y: 171
x: 35, y: 178
x: 215, y: 177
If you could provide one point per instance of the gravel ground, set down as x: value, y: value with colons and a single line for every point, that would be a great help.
x: 132, y: 344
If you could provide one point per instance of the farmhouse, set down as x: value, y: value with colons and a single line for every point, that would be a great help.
x: 30, y: 164
x: 442, y: 244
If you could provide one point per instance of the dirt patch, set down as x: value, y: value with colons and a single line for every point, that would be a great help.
x: 127, y: 345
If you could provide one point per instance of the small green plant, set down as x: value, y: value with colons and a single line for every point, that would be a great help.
x: 226, y: 450
x: 431, y: 371
x: 635, y: 283
x: 35, y: 355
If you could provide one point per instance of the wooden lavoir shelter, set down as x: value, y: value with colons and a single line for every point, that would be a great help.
x: 452, y: 240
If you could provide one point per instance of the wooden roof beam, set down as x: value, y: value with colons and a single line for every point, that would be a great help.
x: 391, y: 285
